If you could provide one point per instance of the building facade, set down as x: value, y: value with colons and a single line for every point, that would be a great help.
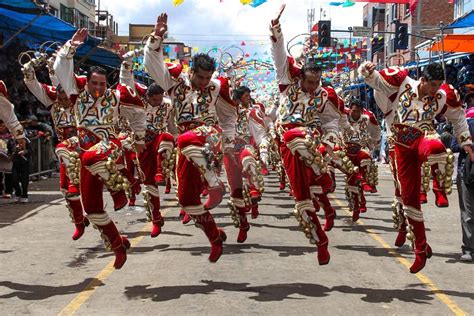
x: 80, y: 13
x: 462, y: 7
x: 425, y: 23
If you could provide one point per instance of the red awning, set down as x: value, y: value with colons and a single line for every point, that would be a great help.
x: 455, y: 44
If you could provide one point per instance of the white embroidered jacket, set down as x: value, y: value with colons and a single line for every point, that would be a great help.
x: 405, y: 106
x: 366, y: 130
x: 250, y: 129
x: 63, y: 118
x: 322, y: 110
x: 7, y: 113
x: 192, y: 107
x: 100, y: 115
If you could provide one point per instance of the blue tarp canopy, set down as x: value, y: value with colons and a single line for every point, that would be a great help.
x: 424, y: 62
x: 467, y: 20
x: 43, y: 27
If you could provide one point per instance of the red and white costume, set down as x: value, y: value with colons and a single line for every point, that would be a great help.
x: 67, y: 150
x: 159, y: 149
x: 7, y: 114
x: 359, y: 143
x: 202, y: 117
x: 100, y: 147
x: 305, y: 119
x: 243, y: 166
x: 409, y: 118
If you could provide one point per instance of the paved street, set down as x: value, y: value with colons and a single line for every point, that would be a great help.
x: 44, y: 272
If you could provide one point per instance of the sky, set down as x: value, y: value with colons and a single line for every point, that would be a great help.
x: 223, y: 23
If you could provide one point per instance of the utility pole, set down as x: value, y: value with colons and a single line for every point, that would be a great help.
x: 310, y: 19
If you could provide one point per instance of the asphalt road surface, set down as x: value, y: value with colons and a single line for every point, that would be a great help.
x: 44, y: 272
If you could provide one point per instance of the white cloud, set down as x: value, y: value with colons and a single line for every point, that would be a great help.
x: 229, y: 17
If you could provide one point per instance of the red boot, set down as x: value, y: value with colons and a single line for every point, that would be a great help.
x: 423, y: 198
x: 153, y: 212
x: 441, y: 200
x: 215, y: 196
x: 323, y: 242
x: 160, y: 179
x: 422, y: 249
x: 168, y: 186
x: 119, y: 198
x: 329, y: 214
x: 255, y: 195
x: 119, y: 244
x: 186, y: 219
x: 282, y: 185
x: 215, y: 235
x: 401, y: 237
x: 244, y: 225
x: 77, y: 215
x: 255, y: 212
x: 132, y: 201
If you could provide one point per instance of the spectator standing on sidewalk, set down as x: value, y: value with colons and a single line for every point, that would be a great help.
x: 21, y: 171
x: 6, y: 185
x: 466, y: 189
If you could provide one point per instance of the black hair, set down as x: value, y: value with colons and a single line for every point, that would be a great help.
x: 239, y: 92
x: 204, y: 62
x: 355, y: 102
x: 154, y: 89
x: 96, y: 69
x: 310, y: 68
x: 433, y: 72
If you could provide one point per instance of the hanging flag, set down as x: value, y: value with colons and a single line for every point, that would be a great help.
x: 348, y: 3
x: 242, y: 44
x: 177, y: 2
x: 245, y: 2
x: 256, y: 3
x: 385, y: 1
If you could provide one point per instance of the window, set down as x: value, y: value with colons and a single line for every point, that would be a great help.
x: 407, y: 10
x: 54, y: 11
x: 67, y: 14
x: 394, y: 11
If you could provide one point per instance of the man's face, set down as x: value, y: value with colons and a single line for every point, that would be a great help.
x: 356, y: 112
x: 430, y: 87
x: 200, y: 78
x: 64, y: 100
x: 311, y: 81
x: 97, y: 85
x: 245, y: 99
x: 155, y: 100
x: 3, y: 128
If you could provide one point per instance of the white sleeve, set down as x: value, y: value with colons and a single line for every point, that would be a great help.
x: 259, y: 134
x: 376, y: 82
x: 64, y: 69
x: 155, y: 64
x: 126, y: 75
x: 457, y: 117
x: 227, y: 118
x: 375, y: 133
x: 35, y: 87
x: 7, y: 115
x: 136, y: 117
x: 280, y: 58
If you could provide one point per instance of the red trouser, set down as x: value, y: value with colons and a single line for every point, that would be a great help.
x: 192, y: 171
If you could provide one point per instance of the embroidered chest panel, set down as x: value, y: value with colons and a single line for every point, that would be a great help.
x: 194, y: 105
x: 413, y: 111
x: 62, y: 117
x: 299, y: 107
x: 157, y: 117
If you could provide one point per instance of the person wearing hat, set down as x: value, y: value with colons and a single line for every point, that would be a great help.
x: 310, y: 116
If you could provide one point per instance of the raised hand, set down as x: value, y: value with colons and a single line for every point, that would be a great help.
x: 276, y: 20
x: 161, y: 25
x: 367, y: 69
x: 79, y: 37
